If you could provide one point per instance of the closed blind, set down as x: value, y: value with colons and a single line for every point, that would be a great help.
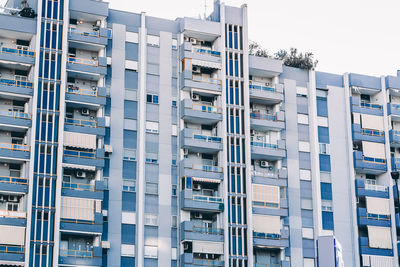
x: 377, y: 205
x: 372, y: 122
x: 266, y: 193
x: 77, y: 208
x: 80, y: 140
x: 373, y: 150
x: 379, y: 237
x: 267, y: 224
x: 208, y: 247
x: 12, y: 235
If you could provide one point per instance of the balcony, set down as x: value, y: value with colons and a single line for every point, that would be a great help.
x: 98, y: 9
x: 267, y: 151
x: 187, y: 260
x: 365, y: 249
x: 360, y: 134
x: 93, y: 190
x: 369, y: 165
x: 200, y: 53
x: 17, y: 55
x: 273, y: 177
x: 14, y: 151
x: 190, y: 201
x: 199, y: 113
x: 88, y: 158
x: 70, y: 225
x: 92, y: 96
x: 189, y: 81
x: 189, y: 231
x: 15, y: 254
x: 14, y: 184
x: 196, y: 142
x: 365, y: 107
x: 84, y: 67
x: 365, y: 218
x: 13, y: 218
x: 95, y: 36
x: 15, y: 118
x: 85, y: 126
x: 193, y: 168
x: 260, y: 93
x: 394, y: 138
x: 92, y: 257
x: 394, y: 110
x: 13, y: 86
x: 271, y: 240
x: 370, y: 190
x: 15, y: 23
x: 267, y: 122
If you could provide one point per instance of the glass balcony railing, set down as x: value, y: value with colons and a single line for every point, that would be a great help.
x: 207, y: 230
x: 267, y: 265
x: 207, y: 168
x: 372, y: 132
x: 14, y: 147
x: 83, y: 61
x: 374, y: 216
x: 13, y: 180
x: 80, y: 91
x: 17, y: 83
x: 76, y: 253
x: 395, y: 106
x: 260, y: 87
x: 16, y: 51
x: 262, y: 144
x: 12, y: 214
x: 374, y: 160
x: 206, y: 108
x: 207, y: 51
x: 207, y: 138
x: 199, y: 78
x: 266, y: 235
x: 375, y: 187
x: 208, y: 198
x: 84, y: 32
x: 268, y: 174
x: 15, y: 114
x: 206, y: 262
x: 259, y: 116
x: 11, y: 249
x: 370, y: 105
x: 80, y: 154
x: 78, y: 186
x: 79, y: 122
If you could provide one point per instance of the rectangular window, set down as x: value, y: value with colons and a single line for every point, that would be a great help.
x: 151, y: 219
x: 174, y: 190
x: 151, y: 127
x: 153, y: 40
x: 152, y: 99
x: 152, y: 188
x: 152, y: 158
x: 324, y: 149
x: 302, y: 119
x: 323, y: 134
x: 129, y: 185
x: 322, y: 107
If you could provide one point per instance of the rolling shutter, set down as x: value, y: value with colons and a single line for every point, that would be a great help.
x: 373, y: 150
x: 80, y: 140
x: 379, y: 237
x: 377, y: 205
x: 267, y: 224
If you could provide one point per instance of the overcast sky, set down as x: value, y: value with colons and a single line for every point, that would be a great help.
x: 360, y: 36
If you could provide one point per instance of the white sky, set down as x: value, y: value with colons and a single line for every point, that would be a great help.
x: 360, y: 36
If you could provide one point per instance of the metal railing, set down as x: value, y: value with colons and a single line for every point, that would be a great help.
x: 15, y: 114
x: 12, y: 214
x: 84, y: 32
x: 260, y: 87
x: 206, y: 108
x: 259, y: 116
x: 269, y: 174
x: 13, y: 180
x: 76, y: 253
x: 80, y: 154
x: 266, y: 235
x: 372, y: 132
x: 83, y: 61
x: 396, y: 132
x: 17, y: 51
x: 375, y: 187
x: 380, y: 217
x: 370, y: 105
x: 17, y: 147
x: 81, y: 91
x: 207, y: 138
x: 374, y: 160
x: 17, y: 83
x: 206, y: 51
x: 207, y: 168
x: 78, y: 186
x: 11, y: 249
x: 262, y: 144
x: 395, y: 106
x: 198, y: 78
x: 267, y: 265
x: 207, y: 262
x: 79, y: 122
x: 207, y: 230
x: 208, y: 198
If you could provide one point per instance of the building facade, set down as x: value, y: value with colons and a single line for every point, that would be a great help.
x: 131, y: 140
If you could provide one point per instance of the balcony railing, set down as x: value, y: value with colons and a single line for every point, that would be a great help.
x: 374, y: 160
x: 266, y: 235
x: 207, y: 230
x: 15, y: 114
x: 375, y: 187
x: 260, y: 87
x: 80, y: 154
x: 207, y: 51
x: 207, y: 168
x: 207, y: 138
x: 17, y: 83
x: 267, y: 265
x: 208, y: 198
x: 17, y: 147
x: 370, y: 105
x: 84, y: 32
x: 16, y: 51
x: 13, y: 180
x: 372, y: 132
x: 206, y: 108
x: 78, y: 186
x: 12, y: 214
x: 206, y: 262
x: 198, y: 78
x: 381, y: 217
x: 80, y: 91
x: 259, y: 116
x: 76, y: 253
x: 268, y: 174
x: 262, y: 144
x: 397, y: 133
x: 11, y: 249
x: 79, y: 122
x: 395, y: 106
x: 83, y: 61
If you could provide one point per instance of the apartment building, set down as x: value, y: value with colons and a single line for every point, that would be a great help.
x: 131, y: 140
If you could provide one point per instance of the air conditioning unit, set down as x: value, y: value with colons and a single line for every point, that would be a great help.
x: 80, y: 174
x: 196, y: 97
x: 193, y: 40
x: 264, y: 164
x: 185, y: 246
x: 252, y: 132
x: 85, y: 112
x: 267, y: 84
x: 98, y: 23
x: 185, y: 151
x: 197, y: 186
x: 198, y: 215
x: 12, y: 198
x: 105, y: 244
x: 196, y: 69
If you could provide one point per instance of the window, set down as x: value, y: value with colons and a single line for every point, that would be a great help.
x: 304, y: 146
x: 129, y: 185
x: 174, y: 189
x: 132, y: 37
x: 151, y: 127
x: 324, y: 149
x: 153, y: 40
x: 308, y: 233
x: 326, y: 205
x: 151, y: 188
x: 305, y: 175
x: 322, y: 107
x: 153, y: 99
x: 306, y: 203
x: 302, y: 119
x: 174, y: 221
x: 151, y: 219
x: 174, y: 130
x: 174, y: 103
x: 150, y: 252
x: 152, y: 158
